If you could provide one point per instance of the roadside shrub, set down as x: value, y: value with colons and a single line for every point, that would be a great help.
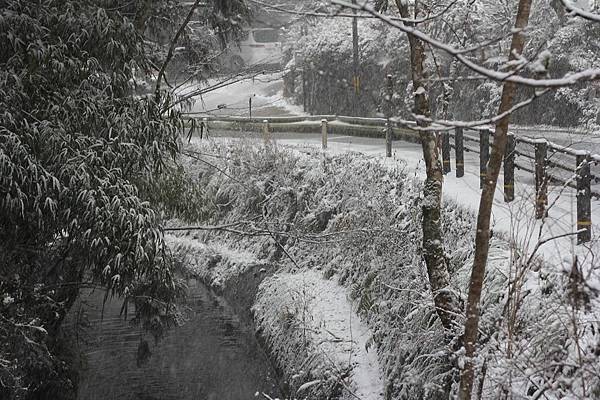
x: 371, y: 244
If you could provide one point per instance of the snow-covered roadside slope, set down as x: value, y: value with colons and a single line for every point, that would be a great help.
x: 358, y: 219
x: 324, y: 352
x: 215, y: 264
x: 311, y: 327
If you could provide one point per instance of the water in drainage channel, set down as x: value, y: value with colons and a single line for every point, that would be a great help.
x: 213, y: 356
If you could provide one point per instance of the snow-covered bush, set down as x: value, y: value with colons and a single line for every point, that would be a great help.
x: 357, y: 220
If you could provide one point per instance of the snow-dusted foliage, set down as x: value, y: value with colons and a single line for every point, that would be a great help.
x: 312, y: 332
x: 580, y: 105
x: 358, y: 221
x: 77, y: 150
x: 568, y: 46
x: 327, y: 53
x: 215, y: 264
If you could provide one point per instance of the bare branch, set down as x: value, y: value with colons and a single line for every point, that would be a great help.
x: 580, y: 12
x: 366, y: 16
x: 567, y: 80
x: 438, y: 125
x: 163, y: 68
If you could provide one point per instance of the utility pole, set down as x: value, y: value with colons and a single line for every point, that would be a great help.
x: 300, y: 60
x: 389, y: 96
x: 355, y: 62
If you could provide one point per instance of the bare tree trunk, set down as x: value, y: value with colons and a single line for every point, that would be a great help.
x: 482, y: 236
x: 446, y: 302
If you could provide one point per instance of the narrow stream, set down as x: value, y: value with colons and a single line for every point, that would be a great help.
x: 213, y: 356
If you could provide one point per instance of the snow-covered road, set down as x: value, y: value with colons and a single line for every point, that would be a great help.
x: 233, y: 94
x: 266, y: 92
x: 515, y: 218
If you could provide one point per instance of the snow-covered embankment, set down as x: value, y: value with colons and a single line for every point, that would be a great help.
x: 308, y: 322
x: 277, y: 220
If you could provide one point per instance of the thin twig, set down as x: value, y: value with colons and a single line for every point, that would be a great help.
x: 163, y: 68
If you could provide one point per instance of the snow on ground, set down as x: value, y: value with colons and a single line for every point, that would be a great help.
x: 338, y: 338
x: 214, y: 263
x: 382, y: 266
x: 516, y: 218
x: 266, y: 92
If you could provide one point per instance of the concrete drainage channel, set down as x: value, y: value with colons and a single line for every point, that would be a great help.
x: 214, y: 355
x: 304, y: 321
x: 250, y: 333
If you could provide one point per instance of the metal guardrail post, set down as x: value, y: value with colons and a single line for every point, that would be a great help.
x: 509, y: 168
x: 459, y: 151
x: 484, y: 155
x: 584, y: 199
x: 446, y: 151
x: 324, y: 134
x: 541, y: 180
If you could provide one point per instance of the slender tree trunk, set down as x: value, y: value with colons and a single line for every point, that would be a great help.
x: 482, y: 236
x: 446, y: 302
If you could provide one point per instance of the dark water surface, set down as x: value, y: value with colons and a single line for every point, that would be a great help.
x: 213, y: 356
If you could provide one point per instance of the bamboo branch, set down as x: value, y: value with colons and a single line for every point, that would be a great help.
x: 163, y: 68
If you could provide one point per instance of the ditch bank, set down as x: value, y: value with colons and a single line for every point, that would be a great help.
x: 317, y: 343
x: 287, y: 232
x: 348, y: 219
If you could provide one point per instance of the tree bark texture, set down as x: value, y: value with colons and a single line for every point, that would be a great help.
x: 446, y: 302
x: 482, y: 236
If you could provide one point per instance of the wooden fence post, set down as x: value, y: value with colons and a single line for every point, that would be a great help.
x: 265, y: 129
x: 509, y: 168
x: 541, y: 179
x: 388, y: 138
x: 324, y: 133
x: 484, y: 155
x: 204, y: 128
x: 459, y: 151
x: 584, y: 200
x: 446, y: 151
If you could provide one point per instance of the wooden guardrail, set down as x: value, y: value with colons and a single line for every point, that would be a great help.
x: 540, y: 151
